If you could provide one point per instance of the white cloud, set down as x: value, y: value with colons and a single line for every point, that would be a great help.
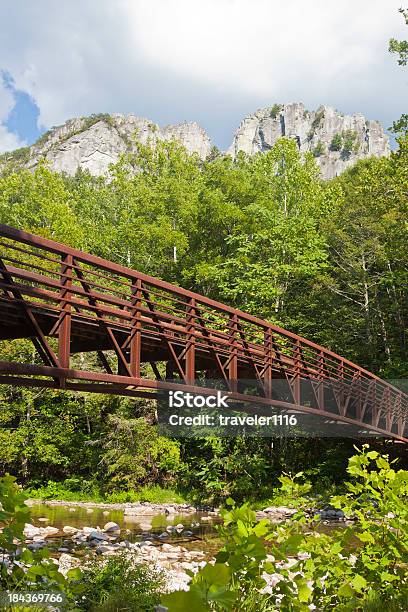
x: 211, y: 60
x: 8, y: 141
x: 6, y: 101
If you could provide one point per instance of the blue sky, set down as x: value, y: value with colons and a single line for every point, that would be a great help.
x: 22, y: 120
x: 213, y: 61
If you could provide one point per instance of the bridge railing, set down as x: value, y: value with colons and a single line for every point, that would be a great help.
x: 62, y: 296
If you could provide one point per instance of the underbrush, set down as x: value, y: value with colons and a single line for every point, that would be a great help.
x: 74, y: 490
x: 153, y: 494
x: 294, y: 567
x: 120, y: 584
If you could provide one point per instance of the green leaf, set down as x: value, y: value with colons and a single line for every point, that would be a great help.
x: 365, y: 536
x: 74, y: 574
x: 36, y: 570
x: 27, y: 556
x: 223, y: 596
x: 222, y: 556
x: 181, y: 601
x: 218, y: 574
x: 242, y: 530
x: 359, y: 583
x: 345, y: 590
x: 336, y: 548
x: 304, y: 592
x: 372, y: 454
x: 387, y: 577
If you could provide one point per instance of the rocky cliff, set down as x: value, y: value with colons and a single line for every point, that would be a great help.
x: 93, y: 143
x: 337, y: 141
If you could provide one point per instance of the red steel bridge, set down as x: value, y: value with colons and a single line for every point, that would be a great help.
x: 101, y: 327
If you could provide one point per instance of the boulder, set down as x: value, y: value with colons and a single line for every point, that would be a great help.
x: 111, y: 527
x: 30, y: 530
x: 97, y: 535
x: 49, y: 532
x: 68, y: 530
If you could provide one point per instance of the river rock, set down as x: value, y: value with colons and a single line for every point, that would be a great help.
x: 188, y: 533
x: 67, y: 562
x: 68, y: 530
x: 111, y: 526
x: 30, y: 530
x: 87, y: 530
x: 49, y: 532
x: 36, y: 546
x: 97, y: 535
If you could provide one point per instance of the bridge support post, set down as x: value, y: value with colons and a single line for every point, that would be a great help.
x: 136, y: 331
x: 64, y: 331
x: 190, y: 350
x: 320, y: 388
x: 233, y: 360
x: 296, y: 378
x: 268, y: 348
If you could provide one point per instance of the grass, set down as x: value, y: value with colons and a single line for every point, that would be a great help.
x: 68, y: 491
x: 153, y: 494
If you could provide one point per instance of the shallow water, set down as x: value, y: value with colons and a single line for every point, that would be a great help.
x: 137, y: 527
x: 132, y: 526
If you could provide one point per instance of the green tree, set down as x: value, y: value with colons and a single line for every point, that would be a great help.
x: 280, y: 243
x: 400, y: 47
x: 336, y: 142
x: 134, y: 454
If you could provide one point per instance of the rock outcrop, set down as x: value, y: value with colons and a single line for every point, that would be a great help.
x: 336, y: 140
x: 93, y: 143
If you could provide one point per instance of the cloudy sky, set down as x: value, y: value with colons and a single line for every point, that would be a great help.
x: 213, y: 61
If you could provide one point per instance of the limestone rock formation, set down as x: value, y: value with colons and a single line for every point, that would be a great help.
x: 336, y: 140
x: 93, y: 143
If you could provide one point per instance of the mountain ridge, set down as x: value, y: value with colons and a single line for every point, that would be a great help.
x: 93, y: 143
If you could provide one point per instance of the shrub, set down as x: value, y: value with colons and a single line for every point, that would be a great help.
x: 350, y: 139
x: 355, y: 568
x: 318, y: 118
x: 153, y: 493
x: 336, y: 143
x: 20, y: 568
x: 275, y: 110
x: 135, y: 454
x: 120, y: 584
x: 319, y: 149
x: 71, y: 489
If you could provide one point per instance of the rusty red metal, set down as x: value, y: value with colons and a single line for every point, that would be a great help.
x: 140, y: 333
